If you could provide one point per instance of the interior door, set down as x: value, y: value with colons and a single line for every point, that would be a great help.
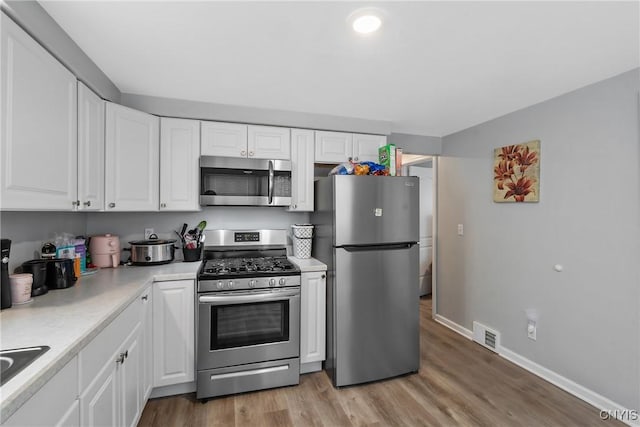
x: 425, y: 174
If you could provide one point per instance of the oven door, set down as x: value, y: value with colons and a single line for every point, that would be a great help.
x: 240, y: 327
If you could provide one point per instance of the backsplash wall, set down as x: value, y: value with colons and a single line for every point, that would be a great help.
x: 130, y: 225
x: 29, y: 230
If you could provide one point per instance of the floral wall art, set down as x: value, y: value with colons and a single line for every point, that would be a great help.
x: 516, y: 173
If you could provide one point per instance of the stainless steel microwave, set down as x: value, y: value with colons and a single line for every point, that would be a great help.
x: 226, y: 181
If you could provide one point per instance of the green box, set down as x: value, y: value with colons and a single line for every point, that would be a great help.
x: 387, y: 158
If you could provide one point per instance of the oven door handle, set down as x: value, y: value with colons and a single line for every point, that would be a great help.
x: 238, y: 299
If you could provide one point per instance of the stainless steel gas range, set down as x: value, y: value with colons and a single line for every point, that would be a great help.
x: 248, y: 328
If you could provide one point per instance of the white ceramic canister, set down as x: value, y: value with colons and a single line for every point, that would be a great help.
x: 21, y: 287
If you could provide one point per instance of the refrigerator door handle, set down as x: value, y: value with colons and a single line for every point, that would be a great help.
x: 389, y: 246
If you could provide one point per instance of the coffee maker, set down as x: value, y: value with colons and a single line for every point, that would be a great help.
x: 38, y: 268
x: 5, y: 289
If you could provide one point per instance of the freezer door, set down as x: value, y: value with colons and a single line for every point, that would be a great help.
x: 373, y: 209
x: 375, y: 328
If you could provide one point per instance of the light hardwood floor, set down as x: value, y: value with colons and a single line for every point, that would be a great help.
x: 459, y: 384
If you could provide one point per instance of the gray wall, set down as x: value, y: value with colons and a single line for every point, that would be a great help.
x: 169, y: 107
x: 417, y: 144
x: 37, y: 22
x: 29, y: 230
x: 587, y: 220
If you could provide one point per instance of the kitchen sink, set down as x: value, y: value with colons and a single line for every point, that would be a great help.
x: 15, y: 360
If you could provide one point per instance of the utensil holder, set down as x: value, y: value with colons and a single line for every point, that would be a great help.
x: 192, y: 255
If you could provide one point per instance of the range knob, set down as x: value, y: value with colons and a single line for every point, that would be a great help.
x: 282, y: 281
x: 272, y: 282
x: 220, y: 284
x: 252, y: 283
x: 230, y: 284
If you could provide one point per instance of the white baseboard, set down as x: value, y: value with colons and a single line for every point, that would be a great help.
x: 454, y: 326
x: 306, y: 368
x: 602, y: 403
x: 172, y: 390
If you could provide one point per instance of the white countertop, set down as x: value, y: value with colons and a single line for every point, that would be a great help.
x: 68, y: 319
x: 308, y: 264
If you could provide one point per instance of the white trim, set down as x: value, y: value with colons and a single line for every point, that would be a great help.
x: 434, y: 239
x: 591, y: 397
x: 583, y: 393
x: 306, y: 368
x: 454, y: 326
x: 172, y: 390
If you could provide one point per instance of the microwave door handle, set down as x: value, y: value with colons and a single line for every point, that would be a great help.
x: 242, y: 299
x: 271, y: 175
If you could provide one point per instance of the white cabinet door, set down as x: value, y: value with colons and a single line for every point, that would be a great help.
x: 54, y: 404
x: 131, y: 380
x: 179, y: 167
x: 223, y: 139
x: 131, y: 160
x: 90, y: 150
x: 147, y: 343
x: 173, y: 332
x: 312, y: 316
x: 302, y: 154
x: 99, y: 402
x: 39, y: 131
x: 333, y: 147
x: 269, y: 142
x: 365, y: 147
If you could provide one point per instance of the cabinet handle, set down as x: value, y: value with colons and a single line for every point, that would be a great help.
x: 120, y: 358
x: 250, y: 153
x: 163, y: 205
x: 75, y: 203
x: 112, y: 205
x: 145, y: 297
x: 243, y: 153
x: 126, y: 354
x: 87, y: 203
x: 355, y: 159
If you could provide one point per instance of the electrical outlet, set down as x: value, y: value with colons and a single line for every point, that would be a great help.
x: 532, y: 329
x: 460, y: 229
x: 147, y: 233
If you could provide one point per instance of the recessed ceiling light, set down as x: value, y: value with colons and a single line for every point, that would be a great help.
x: 366, y: 20
x: 366, y: 24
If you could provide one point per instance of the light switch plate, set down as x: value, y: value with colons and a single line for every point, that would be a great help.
x: 460, y: 229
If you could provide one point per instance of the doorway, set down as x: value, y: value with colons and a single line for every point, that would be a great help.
x: 424, y: 167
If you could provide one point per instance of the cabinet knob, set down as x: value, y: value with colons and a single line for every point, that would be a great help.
x: 250, y: 153
x: 120, y: 358
x: 163, y: 205
x: 324, y: 276
x: 75, y: 203
x: 112, y: 205
x: 87, y: 203
x: 243, y: 153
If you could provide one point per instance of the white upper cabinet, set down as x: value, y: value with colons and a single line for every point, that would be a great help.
x: 39, y: 125
x: 90, y: 150
x: 269, y: 142
x: 337, y: 147
x: 131, y: 160
x: 365, y: 147
x: 224, y: 139
x: 179, y: 168
x: 333, y: 147
x: 302, y: 153
x: 238, y: 140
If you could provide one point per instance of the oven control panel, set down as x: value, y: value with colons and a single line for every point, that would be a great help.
x: 246, y: 236
x: 213, y: 285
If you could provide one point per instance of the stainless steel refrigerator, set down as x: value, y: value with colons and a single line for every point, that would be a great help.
x: 366, y: 231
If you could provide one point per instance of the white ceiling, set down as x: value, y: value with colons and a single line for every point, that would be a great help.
x: 433, y: 69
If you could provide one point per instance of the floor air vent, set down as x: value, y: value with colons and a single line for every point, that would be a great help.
x: 486, y: 337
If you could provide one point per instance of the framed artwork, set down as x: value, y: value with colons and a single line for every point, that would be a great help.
x: 516, y: 173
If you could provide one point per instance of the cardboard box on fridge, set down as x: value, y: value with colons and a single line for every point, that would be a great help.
x: 387, y: 158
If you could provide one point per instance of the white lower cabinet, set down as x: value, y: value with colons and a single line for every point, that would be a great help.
x: 112, y: 370
x: 56, y: 403
x: 312, y: 320
x: 173, y: 332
